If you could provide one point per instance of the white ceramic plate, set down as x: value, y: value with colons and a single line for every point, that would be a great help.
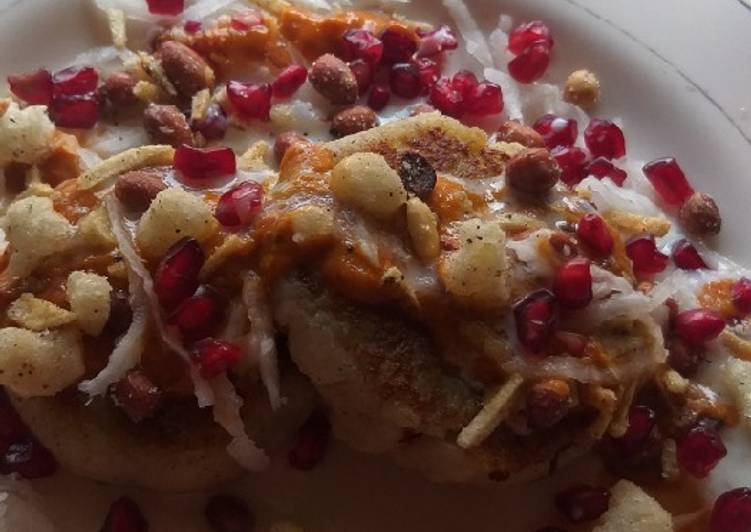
x: 674, y: 71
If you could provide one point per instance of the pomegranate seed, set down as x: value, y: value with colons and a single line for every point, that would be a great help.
x: 465, y: 82
x: 77, y: 111
x: 429, y: 73
x: 213, y: 125
x: 214, y: 357
x: 536, y: 317
x: 379, y: 96
x: 192, y: 26
x: 125, y: 516
x: 207, y: 163
x: 166, y: 7
x: 524, y: 35
x: 556, y: 130
x: 246, y: 20
x: 573, y: 284
x: 75, y: 81
x: 682, y: 357
x: 732, y: 512
x: 405, y: 80
x: 398, y: 46
x: 669, y: 180
x: 312, y: 441
x: 176, y: 277
x: 361, y: 44
x: 531, y: 64
x: 568, y: 342
x: 641, y: 422
x: 604, y: 139
x: 198, y: 316
x: 445, y: 98
x: 486, y: 99
x: 137, y: 396
x: 646, y: 259
x: 700, y: 450
x: 571, y: 159
x: 699, y: 326
x: 363, y: 72
x: 240, y: 205
x: 593, y: 231
x: 34, y: 88
x: 686, y: 257
x: 229, y: 514
x: 27, y: 457
x: 288, y: 81
x: 250, y: 100
x: 437, y: 41
x: 583, y: 503
x: 601, y: 168
x: 741, y: 294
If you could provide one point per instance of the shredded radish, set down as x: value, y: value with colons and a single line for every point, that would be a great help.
x: 227, y: 414
x: 608, y: 196
x: 473, y: 37
x: 20, y: 509
x: 117, y: 139
x: 261, y: 345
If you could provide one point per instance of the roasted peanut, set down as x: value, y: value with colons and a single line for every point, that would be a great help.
x: 513, y: 131
x: 582, y: 89
x: 165, y: 124
x: 284, y: 141
x: 334, y: 80
x: 700, y: 215
x: 117, y: 90
x: 137, y: 395
x: 533, y: 171
x: 186, y: 69
x: 548, y: 402
x: 353, y: 120
x: 138, y: 188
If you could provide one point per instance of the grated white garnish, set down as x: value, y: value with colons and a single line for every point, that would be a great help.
x: 474, y: 38
x: 20, y: 511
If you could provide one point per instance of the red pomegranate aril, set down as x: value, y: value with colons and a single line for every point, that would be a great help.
x: 531, y: 64
x: 166, y: 7
x: 192, y: 26
x: 229, y: 514
x: 28, y: 458
x: 379, y: 96
x: 363, y: 72
x: 75, y: 81
x: 437, y: 41
x: 398, y: 46
x: 75, y: 111
x: 213, y: 125
x: 288, y: 81
x: 312, y: 442
x: 669, y: 181
x: 429, y: 72
x: 556, y: 130
x: 465, y: 82
x: 593, y: 232
x: 35, y: 88
x: 646, y: 259
x: 176, y: 277
x: 741, y: 295
x: 207, y: 163
x: 125, y: 516
x: 567, y: 342
x: 700, y: 450
x: 572, y: 160
x: 600, y: 168
x: 732, y: 512
x: 214, y: 357
x: 239, y: 206
x: 486, y: 99
x: 250, y: 100
x: 198, y: 316
x: 582, y: 503
x: 641, y: 422
x: 605, y: 139
x: 445, y: 98
x: 536, y: 317
x: 572, y: 285
x: 686, y: 257
x: 699, y: 326
x: 361, y: 44
x: 405, y: 80
x: 524, y: 35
